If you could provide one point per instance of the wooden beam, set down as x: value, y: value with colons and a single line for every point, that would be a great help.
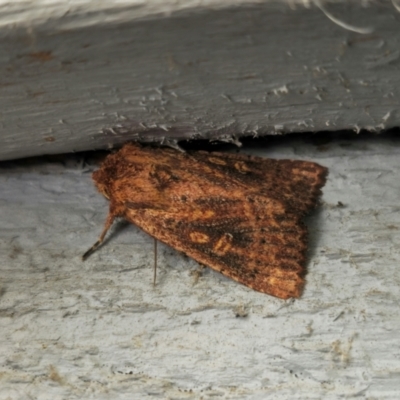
x: 79, y: 76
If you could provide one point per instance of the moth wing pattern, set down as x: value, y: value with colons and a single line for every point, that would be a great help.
x: 239, y: 215
x: 297, y: 183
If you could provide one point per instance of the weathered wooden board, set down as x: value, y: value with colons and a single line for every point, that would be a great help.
x: 100, y: 330
x: 87, y: 75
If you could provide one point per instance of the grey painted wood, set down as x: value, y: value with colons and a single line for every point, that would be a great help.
x: 79, y: 76
x: 100, y: 330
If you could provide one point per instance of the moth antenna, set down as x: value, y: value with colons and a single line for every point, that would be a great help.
x: 155, y: 262
x: 107, y: 226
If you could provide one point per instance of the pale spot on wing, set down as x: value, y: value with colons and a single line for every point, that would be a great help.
x: 199, y: 237
x: 198, y: 213
x: 217, y: 161
x: 223, y: 245
x: 242, y: 167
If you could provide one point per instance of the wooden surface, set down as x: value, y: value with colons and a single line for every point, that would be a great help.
x: 100, y: 330
x: 88, y: 75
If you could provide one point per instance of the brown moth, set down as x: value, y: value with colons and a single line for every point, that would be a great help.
x: 237, y: 214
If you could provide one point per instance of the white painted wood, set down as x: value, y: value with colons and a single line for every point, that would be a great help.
x: 100, y: 330
x: 80, y: 75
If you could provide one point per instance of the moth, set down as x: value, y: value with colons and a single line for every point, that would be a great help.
x: 237, y: 214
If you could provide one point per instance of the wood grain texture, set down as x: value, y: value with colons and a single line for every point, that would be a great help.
x: 240, y: 215
x: 81, y: 76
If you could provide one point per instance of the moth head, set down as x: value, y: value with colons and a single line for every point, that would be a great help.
x: 104, y: 191
x: 101, y: 180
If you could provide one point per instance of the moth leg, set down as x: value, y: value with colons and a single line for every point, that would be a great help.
x: 107, y: 226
